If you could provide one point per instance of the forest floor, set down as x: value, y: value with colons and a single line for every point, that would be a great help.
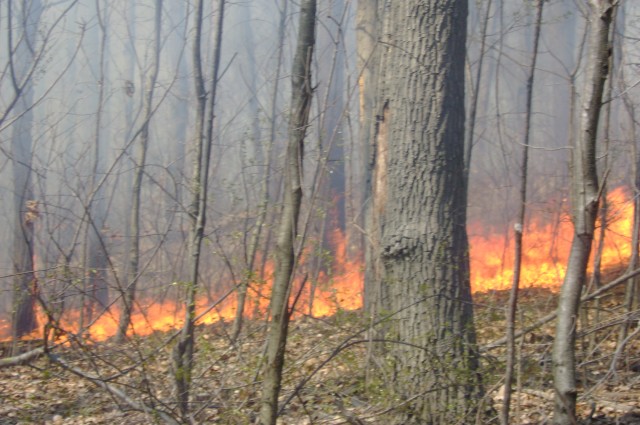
x: 327, y: 363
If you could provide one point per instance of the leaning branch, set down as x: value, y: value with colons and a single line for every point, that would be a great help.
x: 546, y: 319
x: 166, y: 417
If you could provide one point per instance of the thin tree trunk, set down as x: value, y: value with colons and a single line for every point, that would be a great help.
x: 475, y: 97
x: 134, y: 250
x: 330, y: 173
x: 97, y: 291
x: 332, y: 124
x: 585, y: 197
x: 371, y: 132
x: 183, y: 351
x: 632, y: 292
x: 285, y: 258
x: 367, y: 23
x: 129, y: 99
x: 589, y: 342
x: 176, y: 53
x: 520, y: 226
x: 266, y: 182
x: 25, y: 206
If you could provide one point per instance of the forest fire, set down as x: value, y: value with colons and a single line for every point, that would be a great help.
x: 546, y: 249
x: 340, y: 288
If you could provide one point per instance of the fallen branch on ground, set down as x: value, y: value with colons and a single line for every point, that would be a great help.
x: 141, y: 407
x: 22, y: 359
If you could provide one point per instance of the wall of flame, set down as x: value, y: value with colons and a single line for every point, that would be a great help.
x: 546, y: 248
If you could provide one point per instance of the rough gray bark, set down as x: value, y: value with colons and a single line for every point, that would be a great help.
x: 419, y: 195
x: 22, y: 57
x: 301, y: 94
x: 519, y: 226
x: 128, y: 297
x: 585, y: 196
x: 183, y: 351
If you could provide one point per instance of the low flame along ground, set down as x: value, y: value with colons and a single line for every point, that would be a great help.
x: 546, y: 248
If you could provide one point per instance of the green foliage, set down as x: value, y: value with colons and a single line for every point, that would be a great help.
x: 344, y: 318
x: 181, y: 374
x: 46, y: 374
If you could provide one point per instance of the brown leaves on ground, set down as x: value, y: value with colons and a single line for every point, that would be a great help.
x: 330, y: 357
x: 609, y: 390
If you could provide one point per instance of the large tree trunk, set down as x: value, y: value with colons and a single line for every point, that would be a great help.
x: 585, y: 194
x: 420, y: 196
x: 301, y: 95
x: 25, y: 207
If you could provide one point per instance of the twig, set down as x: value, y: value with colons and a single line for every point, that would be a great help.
x: 166, y: 417
x: 546, y: 319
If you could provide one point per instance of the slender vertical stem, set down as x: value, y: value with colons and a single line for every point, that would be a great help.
x: 183, y: 351
x: 585, y: 200
x: 520, y: 225
x: 266, y: 181
x: 134, y: 250
x: 287, y: 232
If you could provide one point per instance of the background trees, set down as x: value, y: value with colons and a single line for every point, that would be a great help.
x: 23, y: 58
x: 140, y: 162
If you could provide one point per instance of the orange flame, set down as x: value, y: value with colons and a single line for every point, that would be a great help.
x: 546, y: 248
x: 342, y: 290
